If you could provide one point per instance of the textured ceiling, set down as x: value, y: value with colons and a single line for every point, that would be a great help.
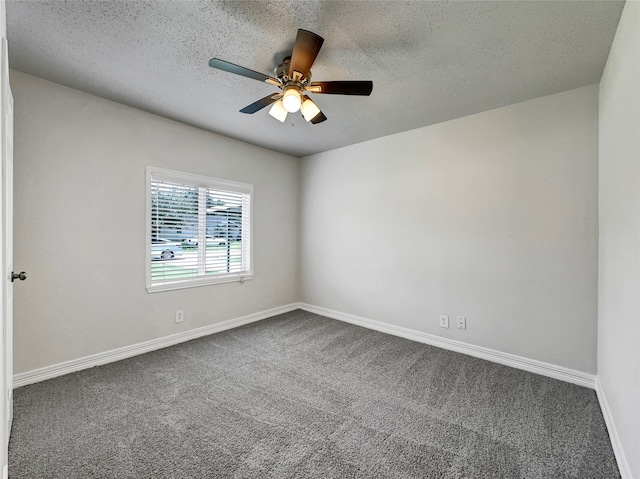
x: 429, y: 61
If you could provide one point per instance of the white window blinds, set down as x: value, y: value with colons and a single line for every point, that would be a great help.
x: 199, y: 230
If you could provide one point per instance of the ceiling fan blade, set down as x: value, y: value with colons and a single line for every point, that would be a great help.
x: 342, y: 87
x: 260, y: 104
x: 319, y: 118
x: 238, y: 70
x: 305, y: 51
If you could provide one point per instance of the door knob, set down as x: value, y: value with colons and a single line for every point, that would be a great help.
x: 21, y: 276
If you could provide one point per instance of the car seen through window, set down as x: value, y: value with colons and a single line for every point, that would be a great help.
x: 165, y: 249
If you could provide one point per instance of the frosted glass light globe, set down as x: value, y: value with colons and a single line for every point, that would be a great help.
x: 309, y: 110
x: 291, y: 100
x: 278, y: 112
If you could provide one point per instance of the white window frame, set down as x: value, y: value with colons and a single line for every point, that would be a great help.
x: 155, y: 173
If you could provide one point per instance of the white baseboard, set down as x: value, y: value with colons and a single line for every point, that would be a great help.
x: 86, y: 362
x: 623, y: 464
x: 519, y: 362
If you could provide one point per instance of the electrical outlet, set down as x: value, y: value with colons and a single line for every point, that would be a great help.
x: 179, y: 316
x: 444, y: 321
x: 462, y: 322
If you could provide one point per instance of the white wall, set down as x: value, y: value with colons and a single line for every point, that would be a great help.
x: 80, y: 224
x: 619, y: 269
x: 492, y: 216
x: 3, y: 19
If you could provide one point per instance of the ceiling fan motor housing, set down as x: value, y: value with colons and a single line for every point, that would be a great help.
x: 281, y: 72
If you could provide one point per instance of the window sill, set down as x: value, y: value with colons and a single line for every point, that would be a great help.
x: 197, y: 282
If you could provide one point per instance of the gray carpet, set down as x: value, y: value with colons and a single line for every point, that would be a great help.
x: 303, y: 396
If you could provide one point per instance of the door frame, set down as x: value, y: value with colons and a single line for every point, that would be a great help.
x: 6, y: 259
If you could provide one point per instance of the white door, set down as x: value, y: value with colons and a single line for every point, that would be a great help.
x: 6, y: 266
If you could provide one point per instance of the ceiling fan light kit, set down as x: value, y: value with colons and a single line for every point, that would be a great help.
x: 293, y: 77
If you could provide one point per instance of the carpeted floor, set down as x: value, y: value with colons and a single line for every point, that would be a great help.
x: 303, y: 396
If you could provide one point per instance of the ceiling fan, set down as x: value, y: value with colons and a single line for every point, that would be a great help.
x: 293, y: 77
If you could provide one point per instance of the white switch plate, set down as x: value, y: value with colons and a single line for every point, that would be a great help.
x: 462, y: 322
x: 444, y: 321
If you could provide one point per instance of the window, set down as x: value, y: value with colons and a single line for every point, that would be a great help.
x: 198, y: 230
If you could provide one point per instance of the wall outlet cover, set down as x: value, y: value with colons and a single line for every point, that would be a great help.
x: 462, y: 322
x: 444, y: 321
